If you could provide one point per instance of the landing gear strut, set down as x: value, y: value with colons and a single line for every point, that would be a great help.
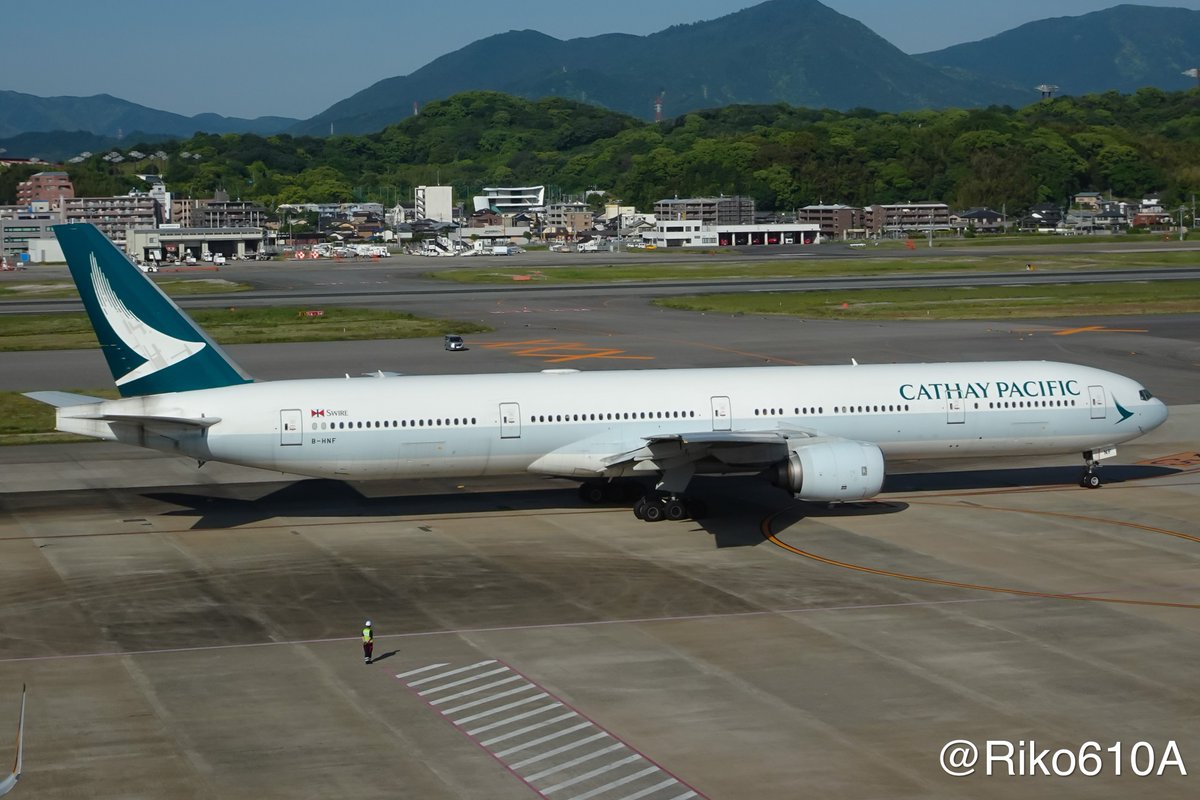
x: 1090, y: 479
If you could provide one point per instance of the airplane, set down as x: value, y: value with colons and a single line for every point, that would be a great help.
x: 822, y: 433
x: 9, y: 783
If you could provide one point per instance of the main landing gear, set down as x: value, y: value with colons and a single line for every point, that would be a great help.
x: 653, y: 507
x: 657, y: 507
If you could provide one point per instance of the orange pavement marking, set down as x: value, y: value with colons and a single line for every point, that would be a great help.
x: 1097, y: 329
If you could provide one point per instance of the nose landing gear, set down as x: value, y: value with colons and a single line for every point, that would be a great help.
x: 1089, y: 479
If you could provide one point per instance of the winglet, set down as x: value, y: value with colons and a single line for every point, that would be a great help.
x: 7, y: 784
x: 150, y: 344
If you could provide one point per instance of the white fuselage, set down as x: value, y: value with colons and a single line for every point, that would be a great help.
x: 567, y: 423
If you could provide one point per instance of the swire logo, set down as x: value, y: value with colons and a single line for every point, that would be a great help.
x: 316, y: 412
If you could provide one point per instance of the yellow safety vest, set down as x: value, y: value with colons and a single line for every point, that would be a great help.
x: 367, y: 635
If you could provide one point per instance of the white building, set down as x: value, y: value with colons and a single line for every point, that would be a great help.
x: 511, y: 200
x: 694, y: 233
x: 434, y: 202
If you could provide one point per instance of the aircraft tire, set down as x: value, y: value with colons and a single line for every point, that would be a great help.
x: 592, y: 492
x: 639, y: 508
x: 1091, y: 481
x: 654, y: 512
x: 676, y: 510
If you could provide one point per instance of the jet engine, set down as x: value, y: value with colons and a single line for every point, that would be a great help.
x: 830, y: 470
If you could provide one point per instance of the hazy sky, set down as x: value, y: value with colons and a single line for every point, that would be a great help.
x: 250, y: 58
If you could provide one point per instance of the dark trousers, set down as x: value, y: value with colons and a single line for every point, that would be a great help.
x: 368, y: 648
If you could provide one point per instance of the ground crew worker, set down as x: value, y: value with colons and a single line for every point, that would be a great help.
x: 368, y: 642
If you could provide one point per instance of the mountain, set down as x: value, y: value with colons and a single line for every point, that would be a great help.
x: 794, y: 51
x: 106, y: 115
x: 1123, y: 48
x: 58, y: 146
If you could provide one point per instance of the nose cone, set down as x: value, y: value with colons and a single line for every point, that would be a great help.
x: 1154, y: 413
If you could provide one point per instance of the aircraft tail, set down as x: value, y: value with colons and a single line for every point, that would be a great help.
x: 152, y: 347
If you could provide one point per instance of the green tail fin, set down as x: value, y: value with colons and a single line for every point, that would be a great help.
x: 152, y: 347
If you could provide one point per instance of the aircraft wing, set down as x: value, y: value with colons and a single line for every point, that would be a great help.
x: 599, y: 457
x: 7, y: 784
x: 748, y: 450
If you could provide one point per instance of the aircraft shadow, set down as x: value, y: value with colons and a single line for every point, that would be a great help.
x: 736, y: 505
x: 216, y: 507
x: 1011, y: 478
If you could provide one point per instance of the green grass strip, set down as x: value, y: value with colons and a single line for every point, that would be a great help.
x: 69, y: 331
x: 175, y: 287
x: 817, y: 267
x: 990, y: 302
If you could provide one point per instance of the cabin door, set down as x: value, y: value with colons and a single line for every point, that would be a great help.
x: 291, y: 427
x: 510, y: 421
x: 1096, y: 398
x: 722, y: 418
x: 956, y: 411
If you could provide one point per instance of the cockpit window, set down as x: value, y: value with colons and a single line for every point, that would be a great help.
x: 1145, y: 394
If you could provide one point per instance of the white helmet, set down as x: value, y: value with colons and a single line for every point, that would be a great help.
x: 368, y: 623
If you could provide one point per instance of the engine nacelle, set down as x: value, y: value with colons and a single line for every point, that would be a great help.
x: 829, y: 470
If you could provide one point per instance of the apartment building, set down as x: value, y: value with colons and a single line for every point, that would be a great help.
x: 835, y: 221
x: 221, y: 212
x: 50, y: 187
x: 707, y: 210
x: 898, y: 218
x: 114, y: 216
x: 571, y: 218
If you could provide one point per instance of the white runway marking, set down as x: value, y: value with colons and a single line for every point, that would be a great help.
x: 552, y: 748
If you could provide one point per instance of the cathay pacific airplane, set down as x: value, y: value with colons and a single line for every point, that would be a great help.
x: 9, y: 783
x: 822, y: 433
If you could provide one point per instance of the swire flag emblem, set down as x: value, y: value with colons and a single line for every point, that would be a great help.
x: 316, y: 412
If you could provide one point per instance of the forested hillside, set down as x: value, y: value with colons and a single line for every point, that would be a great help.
x: 1147, y: 142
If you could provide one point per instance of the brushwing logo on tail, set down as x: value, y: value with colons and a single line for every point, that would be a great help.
x: 159, y: 349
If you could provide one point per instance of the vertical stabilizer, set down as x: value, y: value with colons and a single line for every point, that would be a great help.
x: 152, y: 347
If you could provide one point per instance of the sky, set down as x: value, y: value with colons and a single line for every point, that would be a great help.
x: 250, y: 58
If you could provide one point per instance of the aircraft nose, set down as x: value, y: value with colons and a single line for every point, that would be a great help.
x: 1156, y: 413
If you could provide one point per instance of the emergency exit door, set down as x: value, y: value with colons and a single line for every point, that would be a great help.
x: 290, y: 422
x: 956, y: 411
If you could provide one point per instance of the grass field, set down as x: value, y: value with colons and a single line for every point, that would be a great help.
x: 819, y: 267
x: 176, y: 287
x: 989, y: 302
x: 70, y: 331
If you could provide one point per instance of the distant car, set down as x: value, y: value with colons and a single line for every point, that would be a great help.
x: 453, y: 341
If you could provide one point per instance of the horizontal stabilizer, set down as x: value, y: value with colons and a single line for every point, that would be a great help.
x: 144, y: 419
x: 63, y: 399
